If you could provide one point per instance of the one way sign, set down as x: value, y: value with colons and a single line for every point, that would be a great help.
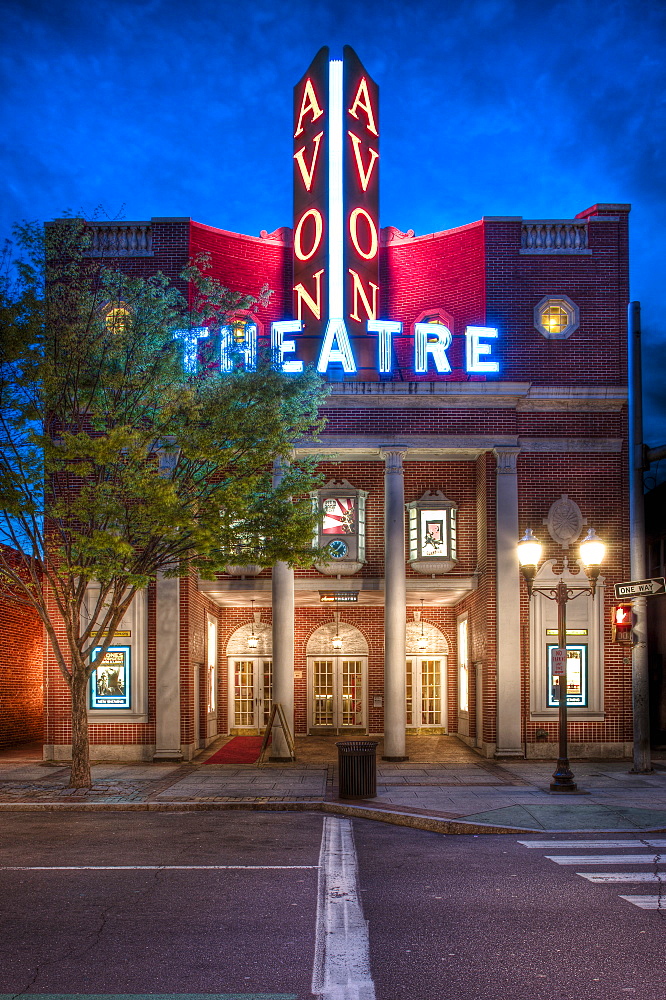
x: 640, y: 588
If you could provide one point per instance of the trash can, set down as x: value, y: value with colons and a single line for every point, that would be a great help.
x: 357, y: 769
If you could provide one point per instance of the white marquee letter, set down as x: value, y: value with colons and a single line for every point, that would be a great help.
x: 385, y: 328
x: 336, y: 334
x: 230, y: 348
x: 425, y: 344
x: 280, y: 347
x: 475, y: 349
x: 191, y: 340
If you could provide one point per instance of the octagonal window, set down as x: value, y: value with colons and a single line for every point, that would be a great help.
x: 556, y: 318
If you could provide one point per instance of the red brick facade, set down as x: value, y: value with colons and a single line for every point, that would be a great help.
x: 21, y: 674
x: 558, y: 404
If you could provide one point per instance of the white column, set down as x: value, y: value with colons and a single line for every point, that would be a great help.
x: 283, y: 645
x: 395, y: 716
x: 167, y: 680
x: 509, y: 742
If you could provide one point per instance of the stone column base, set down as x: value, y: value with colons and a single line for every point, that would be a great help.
x: 171, y: 755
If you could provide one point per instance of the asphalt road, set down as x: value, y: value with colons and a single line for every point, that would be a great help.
x: 247, y: 905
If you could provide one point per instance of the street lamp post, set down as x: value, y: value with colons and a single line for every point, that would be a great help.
x: 592, y: 551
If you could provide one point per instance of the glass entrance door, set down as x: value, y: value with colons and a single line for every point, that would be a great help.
x: 337, y: 693
x: 425, y: 691
x: 251, y: 694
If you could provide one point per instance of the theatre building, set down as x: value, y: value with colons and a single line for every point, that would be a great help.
x: 478, y: 387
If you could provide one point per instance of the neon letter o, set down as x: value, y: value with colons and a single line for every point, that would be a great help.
x: 374, y: 242
x: 319, y: 228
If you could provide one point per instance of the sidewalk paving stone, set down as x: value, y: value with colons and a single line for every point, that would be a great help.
x: 443, y: 778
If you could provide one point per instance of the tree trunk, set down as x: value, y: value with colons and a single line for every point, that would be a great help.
x: 80, y: 776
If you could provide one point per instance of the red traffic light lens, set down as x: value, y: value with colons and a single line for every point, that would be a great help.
x: 622, y: 614
x: 623, y: 623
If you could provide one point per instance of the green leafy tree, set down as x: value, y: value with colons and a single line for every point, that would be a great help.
x: 116, y: 463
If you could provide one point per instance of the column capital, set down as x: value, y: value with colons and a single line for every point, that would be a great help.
x: 506, y: 459
x: 280, y: 467
x: 393, y: 459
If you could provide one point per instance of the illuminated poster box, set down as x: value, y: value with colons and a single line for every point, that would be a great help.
x: 110, y: 680
x: 576, y: 677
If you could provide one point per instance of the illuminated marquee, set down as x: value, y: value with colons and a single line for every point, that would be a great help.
x: 336, y: 294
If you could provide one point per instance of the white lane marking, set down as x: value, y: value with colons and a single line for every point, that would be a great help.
x: 624, y: 876
x: 606, y: 859
x: 341, y: 969
x: 149, y: 868
x: 581, y: 845
x: 647, y: 902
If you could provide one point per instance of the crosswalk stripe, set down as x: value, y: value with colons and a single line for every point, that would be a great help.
x: 647, y: 902
x: 582, y: 845
x: 600, y: 877
x: 611, y: 878
x: 606, y: 859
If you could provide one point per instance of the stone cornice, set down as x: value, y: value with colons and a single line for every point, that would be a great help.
x: 520, y: 396
x: 448, y: 448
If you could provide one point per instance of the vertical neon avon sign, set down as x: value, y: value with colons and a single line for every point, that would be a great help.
x: 336, y: 214
x: 311, y: 227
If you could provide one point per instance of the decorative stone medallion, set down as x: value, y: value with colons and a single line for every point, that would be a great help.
x: 565, y: 521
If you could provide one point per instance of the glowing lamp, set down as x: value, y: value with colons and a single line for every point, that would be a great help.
x: 592, y: 551
x: 529, y: 549
x: 529, y: 556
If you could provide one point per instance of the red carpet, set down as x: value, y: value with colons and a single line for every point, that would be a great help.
x: 239, y: 750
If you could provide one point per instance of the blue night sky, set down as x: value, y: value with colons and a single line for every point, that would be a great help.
x: 489, y: 107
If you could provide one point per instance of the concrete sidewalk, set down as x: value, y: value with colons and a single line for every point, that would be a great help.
x: 445, y: 786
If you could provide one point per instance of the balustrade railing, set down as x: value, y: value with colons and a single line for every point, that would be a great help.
x: 553, y: 236
x: 118, y: 239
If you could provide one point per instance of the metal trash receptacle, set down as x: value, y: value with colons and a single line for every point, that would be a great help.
x: 357, y: 769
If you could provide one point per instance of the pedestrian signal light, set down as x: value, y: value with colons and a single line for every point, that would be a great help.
x: 623, y: 623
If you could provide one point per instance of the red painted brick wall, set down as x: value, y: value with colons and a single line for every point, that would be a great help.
x: 21, y: 674
x: 441, y: 270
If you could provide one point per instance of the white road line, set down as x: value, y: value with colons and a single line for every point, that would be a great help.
x: 581, y: 845
x: 624, y: 876
x: 606, y: 859
x: 647, y: 902
x: 150, y: 868
x: 341, y: 969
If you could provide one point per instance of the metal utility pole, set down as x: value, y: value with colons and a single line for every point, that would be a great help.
x: 639, y: 659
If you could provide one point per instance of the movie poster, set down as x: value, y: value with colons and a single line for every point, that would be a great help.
x: 110, y: 680
x: 576, y: 677
x: 339, y: 516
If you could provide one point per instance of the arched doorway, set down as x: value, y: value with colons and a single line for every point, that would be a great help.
x: 337, y: 679
x: 425, y: 677
x: 250, y: 678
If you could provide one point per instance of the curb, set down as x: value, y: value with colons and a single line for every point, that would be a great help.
x: 432, y: 824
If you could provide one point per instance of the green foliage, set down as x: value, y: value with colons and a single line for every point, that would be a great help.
x: 115, y: 464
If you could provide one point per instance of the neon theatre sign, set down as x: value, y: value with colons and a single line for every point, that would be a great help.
x: 336, y: 286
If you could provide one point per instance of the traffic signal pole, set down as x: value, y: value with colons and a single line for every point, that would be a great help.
x: 639, y: 660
